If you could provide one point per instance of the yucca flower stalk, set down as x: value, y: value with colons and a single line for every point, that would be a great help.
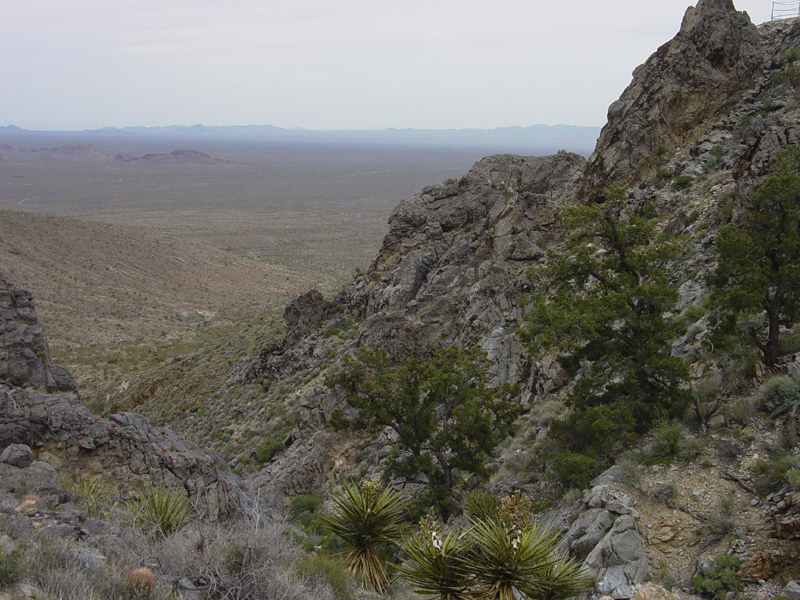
x: 508, y: 563
x: 365, y: 518
x: 434, y: 563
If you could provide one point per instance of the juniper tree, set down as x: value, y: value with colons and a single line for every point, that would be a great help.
x: 601, y: 304
x: 759, y: 259
x: 445, y: 419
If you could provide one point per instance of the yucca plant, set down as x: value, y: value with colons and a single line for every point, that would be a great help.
x: 481, y: 505
x: 509, y: 558
x: 366, y: 517
x: 434, y: 563
x: 163, y: 510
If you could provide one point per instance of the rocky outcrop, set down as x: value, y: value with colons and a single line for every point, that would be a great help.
x: 24, y: 353
x: 601, y: 532
x: 125, y: 450
x: 716, y: 54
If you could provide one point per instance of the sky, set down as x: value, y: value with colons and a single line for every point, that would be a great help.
x: 325, y: 64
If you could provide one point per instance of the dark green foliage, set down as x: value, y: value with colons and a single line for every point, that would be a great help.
x: 668, y: 437
x: 446, y: 419
x: 759, y: 261
x: 266, y: 450
x: 575, y: 470
x: 305, y: 512
x: 602, y: 304
x: 10, y: 570
x: 682, y: 182
x: 779, y: 391
x: 719, y: 578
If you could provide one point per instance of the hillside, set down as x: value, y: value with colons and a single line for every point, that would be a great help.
x: 659, y: 445
x: 97, y: 283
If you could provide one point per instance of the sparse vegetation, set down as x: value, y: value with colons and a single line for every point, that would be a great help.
x: 719, y: 578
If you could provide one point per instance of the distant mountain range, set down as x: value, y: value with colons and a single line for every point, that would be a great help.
x: 535, y: 139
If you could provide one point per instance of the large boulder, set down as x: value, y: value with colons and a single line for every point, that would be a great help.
x: 716, y: 54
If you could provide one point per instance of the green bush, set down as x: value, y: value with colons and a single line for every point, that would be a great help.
x: 668, y: 437
x: 719, y: 578
x: 10, y: 570
x: 575, y: 470
x: 481, y: 505
x: 682, y: 182
x: 771, y: 475
x: 305, y: 512
x: 266, y: 450
x: 779, y: 391
x: 163, y: 510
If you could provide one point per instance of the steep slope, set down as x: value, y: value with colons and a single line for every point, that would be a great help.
x: 699, y: 126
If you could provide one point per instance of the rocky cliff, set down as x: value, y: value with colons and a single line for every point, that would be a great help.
x: 699, y: 125
x: 24, y: 354
x: 59, y: 439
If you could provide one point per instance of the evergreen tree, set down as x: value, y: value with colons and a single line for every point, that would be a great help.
x: 601, y: 304
x: 445, y: 419
x: 759, y: 259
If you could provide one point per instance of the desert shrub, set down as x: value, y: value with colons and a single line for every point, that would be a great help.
x: 266, y: 450
x: 770, y: 475
x: 163, y: 510
x: 682, y: 182
x: 740, y: 411
x: 575, y: 470
x: 693, y: 313
x: 630, y: 473
x: 719, y: 578
x: 481, y: 505
x: 721, y: 520
x: 10, y: 569
x: 779, y: 391
x: 305, y: 511
x: 668, y: 437
x: 328, y: 569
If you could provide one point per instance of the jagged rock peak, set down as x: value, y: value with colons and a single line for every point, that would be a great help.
x: 24, y: 352
x: 716, y: 54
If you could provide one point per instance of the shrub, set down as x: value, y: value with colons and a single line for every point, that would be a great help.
x: 163, y: 510
x: 328, y: 569
x: 770, y: 475
x: 719, y: 578
x: 779, y: 391
x: 668, y: 436
x: 575, y: 470
x: 682, y: 182
x: 10, y: 570
x: 266, y: 450
x: 480, y: 505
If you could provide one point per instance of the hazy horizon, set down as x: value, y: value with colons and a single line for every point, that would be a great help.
x: 355, y: 65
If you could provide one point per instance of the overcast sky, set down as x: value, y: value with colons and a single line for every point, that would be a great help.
x: 325, y: 64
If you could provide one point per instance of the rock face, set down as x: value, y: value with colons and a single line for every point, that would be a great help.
x: 716, y: 54
x: 605, y: 538
x: 125, y: 450
x: 71, y: 442
x: 24, y: 354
